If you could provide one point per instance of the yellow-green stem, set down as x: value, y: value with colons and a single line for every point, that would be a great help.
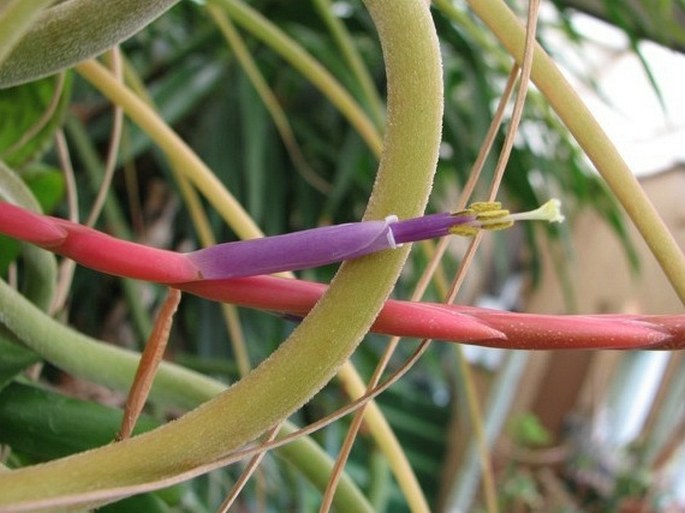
x: 206, y: 237
x: 353, y: 60
x: 268, y: 97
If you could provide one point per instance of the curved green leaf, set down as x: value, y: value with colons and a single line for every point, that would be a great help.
x: 46, y: 425
x: 73, y: 31
x: 14, y: 358
x: 16, y: 18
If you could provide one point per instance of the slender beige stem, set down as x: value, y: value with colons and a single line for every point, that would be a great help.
x: 517, y: 114
x: 67, y: 266
x: 373, y: 416
x: 245, y: 476
x: 114, y: 142
x: 487, y: 472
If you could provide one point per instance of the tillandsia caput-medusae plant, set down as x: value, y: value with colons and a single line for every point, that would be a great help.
x: 356, y: 300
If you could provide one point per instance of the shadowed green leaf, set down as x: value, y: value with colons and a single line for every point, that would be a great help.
x: 46, y: 425
x: 30, y: 115
x: 14, y: 358
x: 46, y: 184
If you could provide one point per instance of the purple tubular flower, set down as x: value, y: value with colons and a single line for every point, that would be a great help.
x: 294, y: 251
x: 321, y: 246
x: 318, y: 246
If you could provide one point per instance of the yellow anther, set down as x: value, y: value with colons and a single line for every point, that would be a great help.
x: 488, y: 215
x: 480, y: 207
x: 464, y: 230
x: 483, y: 209
x: 491, y: 215
x: 466, y: 212
x: 497, y: 226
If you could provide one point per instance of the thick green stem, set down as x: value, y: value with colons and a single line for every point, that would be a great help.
x: 597, y: 146
x: 326, y: 338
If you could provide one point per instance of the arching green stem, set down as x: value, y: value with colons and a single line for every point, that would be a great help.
x: 326, y: 338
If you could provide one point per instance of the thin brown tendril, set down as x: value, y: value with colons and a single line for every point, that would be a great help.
x: 250, y: 469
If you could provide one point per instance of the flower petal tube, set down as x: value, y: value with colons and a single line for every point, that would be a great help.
x: 294, y: 251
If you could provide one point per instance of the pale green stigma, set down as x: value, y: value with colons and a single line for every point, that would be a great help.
x: 550, y: 212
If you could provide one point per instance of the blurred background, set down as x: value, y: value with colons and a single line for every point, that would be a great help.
x: 569, y: 431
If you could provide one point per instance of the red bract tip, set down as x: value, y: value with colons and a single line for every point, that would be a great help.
x: 28, y: 226
x: 672, y: 325
x: 479, y: 326
x: 537, y: 331
x: 95, y: 249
